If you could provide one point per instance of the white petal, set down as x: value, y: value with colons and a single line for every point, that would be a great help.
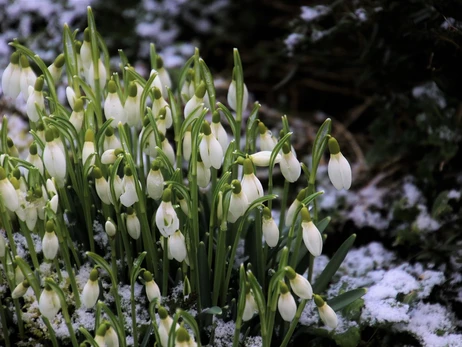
x: 301, y: 287
x: 9, y: 195
x: 287, y: 306
x: 237, y: 206
x: 50, y: 245
x: 312, y: 238
x: 152, y: 290
x: 203, y: 175
x: 270, y: 231
x: 345, y: 170
x: 334, y: 171
x: 133, y: 226
x: 155, y: 184
x: 252, y: 187
x: 166, y: 219
x: 90, y: 293
x: 290, y: 167
x: 328, y: 316
x: 177, y: 246
x: 49, y: 304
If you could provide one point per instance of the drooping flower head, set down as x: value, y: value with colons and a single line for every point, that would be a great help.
x: 166, y: 218
x: 311, y: 235
x: 210, y: 149
x: 90, y: 292
x: 286, y: 303
x: 327, y: 314
x: 250, y: 183
x: 299, y: 284
x: 269, y: 228
x: 339, y: 169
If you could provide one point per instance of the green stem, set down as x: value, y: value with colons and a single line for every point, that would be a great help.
x: 30, y: 244
x: 4, y: 324
x: 294, y: 323
x: 285, y: 196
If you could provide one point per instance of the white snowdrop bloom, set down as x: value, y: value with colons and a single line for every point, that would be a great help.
x: 166, y: 218
x: 71, y: 97
x: 299, y: 284
x: 339, y: 168
x: 165, y: 324
x: 132, y: 106
x: 177, y: 246
x: 85, y: 49
x: 113, y: 107
x: 49, y: 304
x: 267, y: 140
x: 50, y: 245
x: 35, y: 100
x: 155, y: 181
x: 159, y: 104
x: 262, y: 158
x: 100, y: 333
x: 327, y: 314
x: 250, y: 307
x: 162, y: 122
x: 111, y: 339
x: 110, y: 156
x: 232, y: 96
x: 152, y: 289
x: 77, y: 115
x: 54, y: 158
x: 210, y: 149
x: 8, y: 192
x: 102, y: 76
x: 183, y: 339
x: 187, y: 145
x: 133, y: 224
x: 111, y: 141
x: 311, y: 235
x: 269, y: 228
x: 89, y: 147
x: 163, y: 76
x: 56, y: 68
x: 53, y: 203
x: 11, y: 77
x: 34, y: 159
x: 250, y: 183
x: 20, y: 289
x: 28, y: 77
x: 238, y: 202
x: 90, y: 292
x: 110, y: 227
x: 290, y: 166
x: 167, y: 149
x: 203, y: 174
x: 294, y: 206
x: 286, y: 303
x: 129, y: 196
x: 219, y: 131
x: 150, y: 143
x: 117, y: 186
x: 101, y: 186
x: 196, y: 101
x: 157, y: 83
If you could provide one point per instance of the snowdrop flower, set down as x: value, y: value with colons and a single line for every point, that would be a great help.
x: 219, y: 131
x: 8, y: 192
x: 163, y: 76
x: 132, y: 106
x: 166, y: 218
x: 129, y: 196
x: 251, y: 185
x: 85, y: 49
x: 311, y: 235
x: 101, y: 76
x: 20, y: 289
x: 157, y: 82
x: 111, y: 141
x: 113, y: 107
x: 71, y: 97
x: 12, y: 149
x: 232, y: 95
x: 183, y: 339
x: 187, y: 89
x: 294, y: 206
x: 77, y: 115
x: 327, y: 314
x: 89, y: 147
x: 90, y: 292
x: 133, y: 224
x: 164, y: 327
x: 110, y: 227
x: 187, y: 144
x: 101, y: 186
x: 162, y: 121
x: 210, y: 149
x: 339, y: 169
x: 250, y: 307
x: 54, y: 158
x: 177, y: 246
x: 267, y: 140
x: 155, y: 181
x: 28, y: 77
x: 238, y: 202
x: 269, y: 228
x: 262, y: 158
x: 100, y: 333
x: 196, y: 100
x: 50, y: 243
x: 34, y: 159
x: 152, y: 289
x: 110, y: 156
x: 286, y: 303
x: 49, y: 304
x: 290, y: 166
x: 56, y: 68
x: 158, y: 104
x: 111, y: 339
x: 299, y: 284
x: 35, y: 100
x: 11, y: 77
x: 203, y: 173
x: 115, y: 184
x: 167, y: 149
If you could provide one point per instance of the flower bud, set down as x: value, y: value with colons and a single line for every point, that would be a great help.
x: 269, y: 228
x: 49, y: 304
x: 299, y: 284
x: 90, y: 292
x: 177, y: 246
x: 311, y: 235
x: 133, y: 224
x: 113, y: 107
x: 339, y: 169
x: 11, y: 77
x: 152, y: 289
x: 110, y: 227
x: 20, y: 289
x: 250, y: 183
x: 327, y: 314
x: 286, y: 303
x: 50, y: 243
x: 8, y: 192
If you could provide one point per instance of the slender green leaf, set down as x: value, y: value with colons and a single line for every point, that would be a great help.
x: 346, y: 298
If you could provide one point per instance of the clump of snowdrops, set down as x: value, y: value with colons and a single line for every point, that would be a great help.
x: 172, y: 176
